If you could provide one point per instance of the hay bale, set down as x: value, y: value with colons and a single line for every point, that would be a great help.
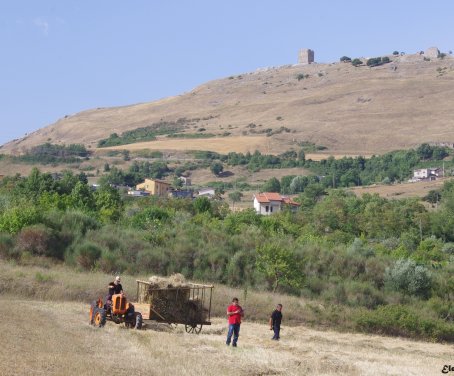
x: 175, y: 280
x: 170, y: 299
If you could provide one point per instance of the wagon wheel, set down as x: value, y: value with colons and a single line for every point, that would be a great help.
x: 193, y: 328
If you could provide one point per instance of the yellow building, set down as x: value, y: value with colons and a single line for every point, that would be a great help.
x: 155, y: 187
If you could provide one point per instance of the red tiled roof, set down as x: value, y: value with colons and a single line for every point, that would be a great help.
x: 266, y: 197
x: 289, y: 201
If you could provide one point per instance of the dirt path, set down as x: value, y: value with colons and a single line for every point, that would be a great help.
x: 48, y: 338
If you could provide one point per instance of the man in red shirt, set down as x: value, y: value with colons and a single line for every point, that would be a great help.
x: 234, y: 313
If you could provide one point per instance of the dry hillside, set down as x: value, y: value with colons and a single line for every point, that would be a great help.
x: 349, y: 110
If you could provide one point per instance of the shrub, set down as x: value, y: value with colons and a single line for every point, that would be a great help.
x: 38, y: 240
x: 395, y: 53
x: 202, y: 205
x: 409, y: 278
x: 87, y: 254
x: 14, y: 219
x: 400, y: 320
x: 356, y: 62
x: 6, y: 245
x: 345, y: 59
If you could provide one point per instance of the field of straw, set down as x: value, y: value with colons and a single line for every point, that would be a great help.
x: 54, y: 338
x: 44, y: 331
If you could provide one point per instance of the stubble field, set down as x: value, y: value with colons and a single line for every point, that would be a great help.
x: 54, y: 338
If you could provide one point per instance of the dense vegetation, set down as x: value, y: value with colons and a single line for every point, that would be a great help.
x: 390, y: 262
x: 51, y: 153
x: 392, y: 167
x: 149, y: 133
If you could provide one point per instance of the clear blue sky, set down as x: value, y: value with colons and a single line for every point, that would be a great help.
x: 59, y: 57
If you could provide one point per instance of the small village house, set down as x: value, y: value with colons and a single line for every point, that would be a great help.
x: 427, y: 173
x: 155, y: 187
x: 267, y: 203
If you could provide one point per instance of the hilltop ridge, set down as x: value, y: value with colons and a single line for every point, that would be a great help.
x: 347, y: 109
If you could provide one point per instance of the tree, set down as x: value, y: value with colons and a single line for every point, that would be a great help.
x: 424, y: 151
x: 356, y: 62
x: 302, y: 155
x: 395, y: 53
x: 279, y: 265
x: 177, y: 182
x: 216, y: 168
x: 345, y: 59
x: 272, y: 185
x: 408, y: 277
x: 202, y: 205
x: 235, y: 197
x: 108, y: 203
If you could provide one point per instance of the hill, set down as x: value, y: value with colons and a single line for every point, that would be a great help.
x: 347, y: 109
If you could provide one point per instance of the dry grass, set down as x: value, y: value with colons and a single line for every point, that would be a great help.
x: 404, y: 190
x: 349, y: 110
x: 54, y: 338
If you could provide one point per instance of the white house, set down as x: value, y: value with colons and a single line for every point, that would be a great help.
x: 267, y: 203
x: 427, y: 173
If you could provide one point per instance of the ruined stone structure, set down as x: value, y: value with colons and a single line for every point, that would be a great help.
x: 305, y: 56
x: 432, y: 52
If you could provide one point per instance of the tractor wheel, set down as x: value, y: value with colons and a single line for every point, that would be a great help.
x: 91, y: 317
x: 139, y: 320
x: 99, y: 317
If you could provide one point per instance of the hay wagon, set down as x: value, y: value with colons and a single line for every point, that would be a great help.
x: 188, y: 304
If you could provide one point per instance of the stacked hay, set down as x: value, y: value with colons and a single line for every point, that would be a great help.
x: 171, y: 300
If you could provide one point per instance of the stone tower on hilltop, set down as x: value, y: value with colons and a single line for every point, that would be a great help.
x: 305, y: 56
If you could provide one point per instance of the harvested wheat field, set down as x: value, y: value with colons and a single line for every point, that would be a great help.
x: 404, y: 190
x: 50, y: 338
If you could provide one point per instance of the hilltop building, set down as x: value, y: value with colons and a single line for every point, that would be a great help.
x: 305, y: 56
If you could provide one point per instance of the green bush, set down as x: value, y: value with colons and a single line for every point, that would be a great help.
x: 14, y: 219
x: 402, y: 321
x: 87, y: 254
x: 409, y: 278
x: 6, y: 245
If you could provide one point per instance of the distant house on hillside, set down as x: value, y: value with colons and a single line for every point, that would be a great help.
x: 267, y: 203
x: 207, y: 192
x: 427, y: 174
x: 155, y: 187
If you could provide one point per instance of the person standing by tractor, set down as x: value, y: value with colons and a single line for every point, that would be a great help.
x: 275, y: 322
x: 234, y: 314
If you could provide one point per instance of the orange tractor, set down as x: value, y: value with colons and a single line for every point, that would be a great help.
x: 119, y: 311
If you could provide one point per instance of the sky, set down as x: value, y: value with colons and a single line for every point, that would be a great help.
x: 61, y: 57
